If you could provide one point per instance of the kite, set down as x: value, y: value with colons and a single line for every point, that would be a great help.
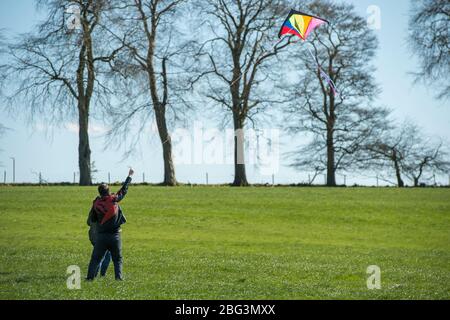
x: 301, y: 25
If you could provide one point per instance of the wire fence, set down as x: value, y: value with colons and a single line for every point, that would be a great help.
x: 302, y: 179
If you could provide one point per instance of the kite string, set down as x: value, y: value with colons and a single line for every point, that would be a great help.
x: 325, y: 76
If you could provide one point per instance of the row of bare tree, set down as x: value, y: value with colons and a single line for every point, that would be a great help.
x: 122, y: 60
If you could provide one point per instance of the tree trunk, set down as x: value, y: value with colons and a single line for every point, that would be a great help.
x: 331, y: 172
x: 85, y: 88
x: 417, y: 178
x: 159, y: 107
x: 400, y: 182
x: 240, y: 176
x: 84, y: 151
x: 169, y: 168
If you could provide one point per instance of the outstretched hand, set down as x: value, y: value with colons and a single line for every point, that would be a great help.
x: 131, y: 172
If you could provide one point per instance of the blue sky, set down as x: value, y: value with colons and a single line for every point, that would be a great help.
x: 53, y: 151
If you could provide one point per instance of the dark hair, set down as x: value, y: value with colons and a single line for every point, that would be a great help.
x: 103, y: 189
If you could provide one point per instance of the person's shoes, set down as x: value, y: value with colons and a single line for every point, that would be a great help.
x: 119, y: 279
x: 102, y: 274
x: 89, y: 279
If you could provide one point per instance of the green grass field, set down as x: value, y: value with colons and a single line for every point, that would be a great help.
x: 231, y: 243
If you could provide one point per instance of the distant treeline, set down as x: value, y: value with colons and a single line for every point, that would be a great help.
x: 132, y: 64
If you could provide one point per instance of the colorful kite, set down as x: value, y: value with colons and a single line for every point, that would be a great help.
x: 301, y: 25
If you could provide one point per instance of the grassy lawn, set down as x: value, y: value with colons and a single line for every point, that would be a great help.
x: 229, y: 243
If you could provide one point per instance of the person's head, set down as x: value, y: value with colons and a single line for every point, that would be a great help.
x: 103, y: 190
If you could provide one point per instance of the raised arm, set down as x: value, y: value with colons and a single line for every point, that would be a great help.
x: 124, y: 189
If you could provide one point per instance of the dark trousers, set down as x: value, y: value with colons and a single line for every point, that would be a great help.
x: 104, y: 263
x: 106, y: 242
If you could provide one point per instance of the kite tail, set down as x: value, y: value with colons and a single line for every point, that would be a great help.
x: 325, y: 76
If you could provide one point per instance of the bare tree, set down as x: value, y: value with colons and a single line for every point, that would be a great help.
x: 338, y: 126
x: 390, y: 150
x: 425, y: 156
x: 56, y: 71
x: 429, y: 38
x: 407, y: 152
x: 428, y: 158
x: 237, y: 61
x: 150, y: 68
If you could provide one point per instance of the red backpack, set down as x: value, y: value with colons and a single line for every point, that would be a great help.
x: 106, y: 208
